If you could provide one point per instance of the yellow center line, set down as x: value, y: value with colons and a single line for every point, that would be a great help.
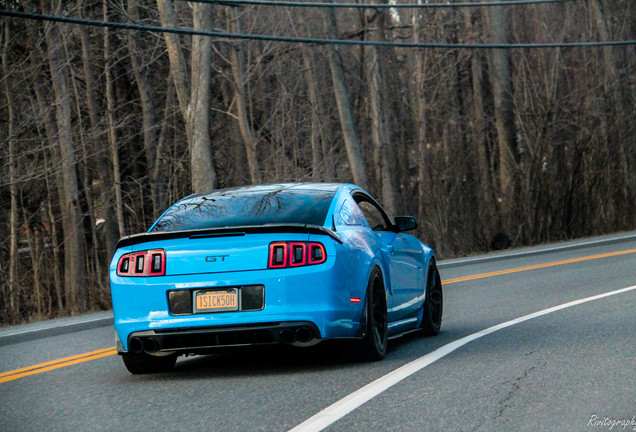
x: 105, y: 352
x: 56, y: 364
x: 538, y: 266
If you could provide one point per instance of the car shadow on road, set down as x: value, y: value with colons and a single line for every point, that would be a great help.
x: 327, y: 356
x: 255, y: 361
x: 284, y: 360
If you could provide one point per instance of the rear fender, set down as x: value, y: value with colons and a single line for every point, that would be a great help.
x: 363, y: 317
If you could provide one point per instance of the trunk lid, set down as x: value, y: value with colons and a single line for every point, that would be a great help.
x: 221, y: 249
x: 216, y: 254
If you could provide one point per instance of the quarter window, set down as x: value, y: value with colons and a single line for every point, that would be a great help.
x: 375, y: 217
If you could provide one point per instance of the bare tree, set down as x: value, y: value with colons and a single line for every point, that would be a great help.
x: 193, y: 90
x: 13, y: 285
x: 479, y: 123
x: 347, y: 124
x: 150, y: 130
x: 501, y: 83
x: 103, y: 169
x: 383, y: 148
x: 74, y: 251
x: 115, y: 123
x: 238, y: 71
x: 110, y: 120
x: 46, y: 116
x: 611, y: 86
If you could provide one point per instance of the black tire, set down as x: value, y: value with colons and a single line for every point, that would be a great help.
x: 433, y: 307
x: 372, y: 346
x: 146, y: 363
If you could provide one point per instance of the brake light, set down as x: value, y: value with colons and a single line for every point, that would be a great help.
x: 156, y: 262
x: 277, y: 255
x: 144, y: 263
x: 317, y: 253
x: 296, y: 254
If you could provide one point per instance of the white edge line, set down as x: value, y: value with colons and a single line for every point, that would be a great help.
x: 344, y: 406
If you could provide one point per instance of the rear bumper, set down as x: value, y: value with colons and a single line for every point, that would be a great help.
x: 202, y: 340
x: 314, y: 301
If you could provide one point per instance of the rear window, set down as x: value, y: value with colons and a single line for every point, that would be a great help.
x: 233, y: 208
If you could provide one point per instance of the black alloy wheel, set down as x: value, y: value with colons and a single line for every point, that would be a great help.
x: 434, y: 303
x: 372, y: 346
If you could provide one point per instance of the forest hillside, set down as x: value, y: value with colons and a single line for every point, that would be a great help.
x: 491, y: 144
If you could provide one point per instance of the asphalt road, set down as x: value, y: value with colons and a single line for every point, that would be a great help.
x: 569, y: 369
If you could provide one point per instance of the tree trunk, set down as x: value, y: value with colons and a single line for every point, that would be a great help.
x: 178, y: 66
x: 479, y: 137
x: 193, y: 91
x: 48, y: 119
x: 379, y: 128
x: 317, y: 158
x: 162, y: 140
x: 74, y: 253
x: 421, y: 120
x: 347, y: 124
x: 614, y: 143
x: 112, y: 131
x: 101, y: 161
x: 379, y: 132
x: 240, y: 97
x: 509, y: 158
x: 34, y: 240
x: 321, y: 167
x: 14, y: 257
x: 203, y: 173
x: 149, y: 117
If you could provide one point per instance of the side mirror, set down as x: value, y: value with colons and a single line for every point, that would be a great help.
x: 405, y: 223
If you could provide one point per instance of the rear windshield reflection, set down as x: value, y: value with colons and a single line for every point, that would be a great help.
x: 246, y: 208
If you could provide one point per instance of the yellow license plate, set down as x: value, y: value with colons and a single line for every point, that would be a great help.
x: 216, y: 301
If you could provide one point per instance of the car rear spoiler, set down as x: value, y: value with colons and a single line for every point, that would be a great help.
x: 226, y: 232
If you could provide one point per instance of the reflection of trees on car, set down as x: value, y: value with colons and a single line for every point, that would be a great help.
x: 218, y: 209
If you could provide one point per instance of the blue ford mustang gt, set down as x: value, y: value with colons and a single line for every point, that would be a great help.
x: 272, y: 264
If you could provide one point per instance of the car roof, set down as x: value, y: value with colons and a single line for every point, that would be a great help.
x: 306, y: 186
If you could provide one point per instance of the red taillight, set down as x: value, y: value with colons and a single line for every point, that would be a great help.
x: 295, y: 254
x: 317, y: 253
x: 139, y: 264
x: 298, y: 254
x: 144, y: 263
x: 124, y: 267
x: 156, y: 262
x: 277, y: 255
